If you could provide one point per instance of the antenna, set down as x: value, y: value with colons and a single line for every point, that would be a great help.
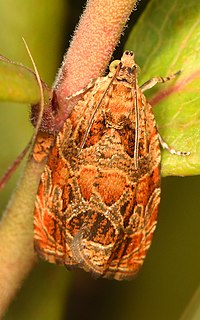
x: 97, y: 108
x: 136, y: 151
x: 41, y: 94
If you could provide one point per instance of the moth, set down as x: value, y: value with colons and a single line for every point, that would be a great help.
x: 99, y: 194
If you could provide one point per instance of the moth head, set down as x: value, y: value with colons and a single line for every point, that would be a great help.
x: 128, y: 61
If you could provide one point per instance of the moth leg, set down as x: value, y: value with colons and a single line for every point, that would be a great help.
x: 152, y: 82
x: 170, y: 149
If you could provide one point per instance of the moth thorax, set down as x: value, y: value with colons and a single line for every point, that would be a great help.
x: 116, y: 120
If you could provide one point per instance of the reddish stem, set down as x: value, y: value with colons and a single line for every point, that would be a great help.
x: 94, y: 41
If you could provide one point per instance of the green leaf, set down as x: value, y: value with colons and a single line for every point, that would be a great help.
x: 167, y: 39
x: 18, y: 83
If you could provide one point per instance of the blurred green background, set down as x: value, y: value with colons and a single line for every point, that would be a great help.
x: 171, y: 272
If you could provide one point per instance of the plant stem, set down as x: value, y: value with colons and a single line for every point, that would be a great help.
x: 16, y: 235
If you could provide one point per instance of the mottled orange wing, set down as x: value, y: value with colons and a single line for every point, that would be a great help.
x: 99, y: 193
